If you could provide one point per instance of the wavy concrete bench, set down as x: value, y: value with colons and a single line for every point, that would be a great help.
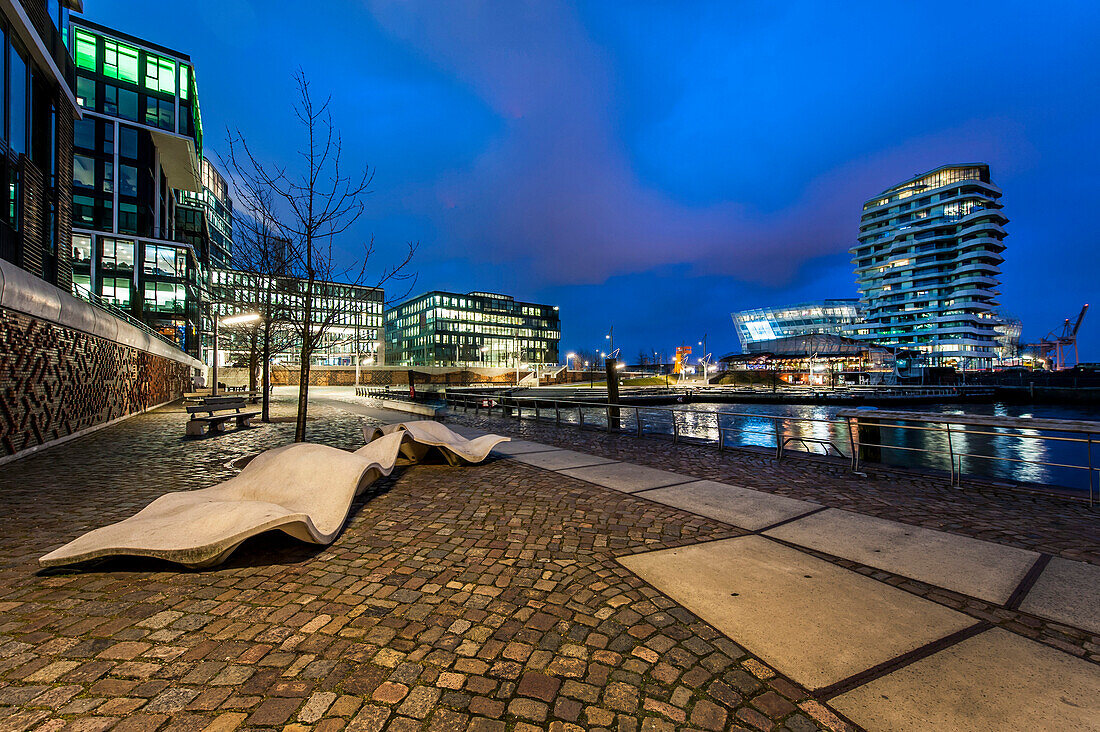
x: 423, y: 437
x: 304, y: 490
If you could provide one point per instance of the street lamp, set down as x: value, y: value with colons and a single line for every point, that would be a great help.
x: 231, y: 320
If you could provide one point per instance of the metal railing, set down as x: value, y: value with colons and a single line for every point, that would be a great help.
x: 951, y: 435
x: 109, y: 307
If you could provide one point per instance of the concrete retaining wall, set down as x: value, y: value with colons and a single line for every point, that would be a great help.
x: 67, y: 367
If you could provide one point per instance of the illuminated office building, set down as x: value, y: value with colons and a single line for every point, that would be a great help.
x: 140, y: 141
x: 475, y: 329
x: 927, y: 264
x: 37, y: 92
x: 352, y: 315
x: 759, y: 327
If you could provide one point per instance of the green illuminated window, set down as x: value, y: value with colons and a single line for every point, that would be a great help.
x: 185, y: 77
x: 160, y: 74
x: 120, y: 61
x: 85, y: 49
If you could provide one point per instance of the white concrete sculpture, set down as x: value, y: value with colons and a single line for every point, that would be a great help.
x: 304, y: 490
x: 421, y: 437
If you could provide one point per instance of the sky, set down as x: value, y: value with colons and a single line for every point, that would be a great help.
x: 655, y: 166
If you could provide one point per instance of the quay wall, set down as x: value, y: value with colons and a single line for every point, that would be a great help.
x: 68, y: 367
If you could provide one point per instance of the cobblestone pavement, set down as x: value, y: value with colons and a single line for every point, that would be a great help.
x: 482, y: 598
x: 1054, y: 526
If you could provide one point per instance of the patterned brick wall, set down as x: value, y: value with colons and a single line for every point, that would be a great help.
x: 55, y: 381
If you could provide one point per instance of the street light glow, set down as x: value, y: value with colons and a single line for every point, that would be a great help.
x: 242, y: 318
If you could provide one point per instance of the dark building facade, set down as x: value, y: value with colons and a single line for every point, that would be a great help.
x: 139, y: 142
x: 40, y: 107
x: 475, y: 329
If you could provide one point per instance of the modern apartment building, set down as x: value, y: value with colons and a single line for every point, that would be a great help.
x: 138, y: 144
x: 475, y: 329
x: 37, y: 78
x: 927, y: 265
x: 352, y: 315
x: 759, y: 327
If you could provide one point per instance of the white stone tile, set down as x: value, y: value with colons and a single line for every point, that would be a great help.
x: 813, y: 621
x: 749, y: 509
x: 973, y: 567
x: 626, y: 477
x: 996, y: 680
x: 1068, y: 592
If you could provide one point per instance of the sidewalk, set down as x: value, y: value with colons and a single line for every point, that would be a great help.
x: 890, y: 623
x: 482, y: 598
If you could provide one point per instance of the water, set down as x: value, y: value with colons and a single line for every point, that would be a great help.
x: 759, y: 424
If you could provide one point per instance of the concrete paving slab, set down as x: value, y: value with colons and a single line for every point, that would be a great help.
x: 467, y: 432
x: 1068, y: 592
x: 518, y: 447
x: 731, y: 504
x: 813, y: 621
x: 971, y: 566
x: 626, y: 477
x: 559, y: 459
x: 996, y: 680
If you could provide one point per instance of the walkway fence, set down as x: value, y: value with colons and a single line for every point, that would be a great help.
x: 960, y: 445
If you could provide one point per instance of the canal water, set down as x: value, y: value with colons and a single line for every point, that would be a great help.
x: 816, y: 428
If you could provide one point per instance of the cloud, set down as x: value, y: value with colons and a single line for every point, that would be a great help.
x: 555, y: 191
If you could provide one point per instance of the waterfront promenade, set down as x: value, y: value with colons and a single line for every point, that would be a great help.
x: 578, y: 581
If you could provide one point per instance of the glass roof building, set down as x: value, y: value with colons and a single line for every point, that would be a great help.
x: 927, y: 264
x: 475, y: 329
x: 139, y: 141
x: 761, y: 326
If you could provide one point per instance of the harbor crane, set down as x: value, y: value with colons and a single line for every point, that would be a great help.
x: 1058, y: 343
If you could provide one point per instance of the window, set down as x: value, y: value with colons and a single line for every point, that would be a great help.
x: 127, y: 218
x: 83, y: 211
x: 83, y: 171
x: 85, y: 49
x: 128, y: 104
x: 128, y: 143
x: 185, y: 78
x: 159, y: 113
x: 108, y: 138
x: 165, y: 296
x: 120, y: 61
x: 17, y: 101
x: 82, y: 248
x: 105, y: 214
x: 117, y: 290
x: 160, y: 74
x: 84, y: 134
x: 117, y: 254
x: 108, y: 177
x: 164, y: 261
x: 127, y: 180
x: 85, y: 92
x: 82, y: 285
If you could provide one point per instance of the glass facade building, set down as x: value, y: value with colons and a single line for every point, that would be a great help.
x: 137, y: 152
x: 353, y: 314
x: 37, y: 90
x: 761, y: 326
x: 927, y: 265
x: 475, y: 329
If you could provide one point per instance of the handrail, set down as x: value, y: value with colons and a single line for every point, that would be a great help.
x: 106, y: 305
x: 864, y: 430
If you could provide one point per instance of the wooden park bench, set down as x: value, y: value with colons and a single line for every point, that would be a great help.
x: 214, y: 421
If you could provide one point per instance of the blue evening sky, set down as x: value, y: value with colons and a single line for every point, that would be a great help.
x: 657, y: 165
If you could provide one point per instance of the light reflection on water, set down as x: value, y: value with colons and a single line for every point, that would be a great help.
x: 756, y: 424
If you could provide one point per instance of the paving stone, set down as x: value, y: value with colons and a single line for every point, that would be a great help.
x: 625, y: 477
x: 1069, y: 592
x: 749, y: 509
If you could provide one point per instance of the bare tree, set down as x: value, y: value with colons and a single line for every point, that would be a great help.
x: 311, y: 208
x: 261, y: 254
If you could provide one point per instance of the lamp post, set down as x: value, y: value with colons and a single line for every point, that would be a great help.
x: 231, y: 320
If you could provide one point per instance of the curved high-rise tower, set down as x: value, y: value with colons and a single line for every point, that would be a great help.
x: 927, y: 264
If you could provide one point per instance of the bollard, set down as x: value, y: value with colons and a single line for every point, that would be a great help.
x: 869, y: 437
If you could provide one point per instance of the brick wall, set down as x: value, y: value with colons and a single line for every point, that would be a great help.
x: 55, y: 381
